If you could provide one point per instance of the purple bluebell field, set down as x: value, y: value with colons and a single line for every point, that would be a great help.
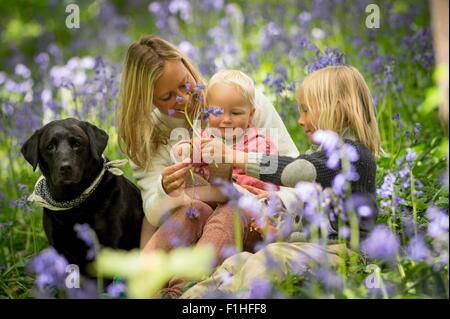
x: 49, y: 71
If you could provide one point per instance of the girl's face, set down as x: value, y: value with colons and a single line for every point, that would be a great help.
x: 170, y: 94
x: 305, y: 120
x: 236, y: 112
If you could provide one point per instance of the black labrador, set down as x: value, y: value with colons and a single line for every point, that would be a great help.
x: 69, y: 154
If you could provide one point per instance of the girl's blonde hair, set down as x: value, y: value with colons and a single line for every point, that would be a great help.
x: 338, y: 99
x: 237, y: 79
x: 140, y: 133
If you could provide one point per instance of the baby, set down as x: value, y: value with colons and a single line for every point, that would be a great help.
x: 230, y: 96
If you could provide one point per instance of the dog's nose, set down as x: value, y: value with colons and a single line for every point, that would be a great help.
x: 65, y: 168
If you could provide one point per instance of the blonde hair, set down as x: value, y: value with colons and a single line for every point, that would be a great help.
x: 339, y: 99
x: 140, y: 134
x: 238, y: 79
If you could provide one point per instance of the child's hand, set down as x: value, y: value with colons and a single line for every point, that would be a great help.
x: 214, y: 150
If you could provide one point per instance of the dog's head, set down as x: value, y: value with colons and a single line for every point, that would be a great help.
x: 68, y: 152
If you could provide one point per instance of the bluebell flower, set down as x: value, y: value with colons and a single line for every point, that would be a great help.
x: 328, y: 278
x: 178, y: 99
x: 228, y: 251
x: 381, y: 244
x: 339, y: 184
x: 116, y: 289
x: 50, y: 269
x: 438, y: 223
x: 410, y: 155
x: 417, y: 249
x: 42, y: 59
x: 416, y: 129
x: 87, y: 235
x: 228, y: 190
x: 192, y: 213
x: 22, y: 71
x: 329, y: 140
x: 251, y: 204
x: 260, y: 289
x: 329, y: 57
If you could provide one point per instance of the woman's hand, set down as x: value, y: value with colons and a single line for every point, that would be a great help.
x: 174, y: 176
x: 181, y: 151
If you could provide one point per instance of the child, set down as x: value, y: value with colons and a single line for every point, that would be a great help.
x: 230, y: 96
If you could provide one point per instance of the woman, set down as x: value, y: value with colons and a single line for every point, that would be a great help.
x: 157, y: 83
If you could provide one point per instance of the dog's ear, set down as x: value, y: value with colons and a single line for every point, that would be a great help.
x: 30, y: 149
x: 98, y: 139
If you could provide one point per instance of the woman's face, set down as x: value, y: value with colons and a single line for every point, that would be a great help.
x: 170, y: 94
x: 305, y: 120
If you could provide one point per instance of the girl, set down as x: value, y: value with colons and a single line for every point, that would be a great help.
x: 156, y: 81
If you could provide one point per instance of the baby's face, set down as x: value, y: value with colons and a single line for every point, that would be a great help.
x: 236, y: 112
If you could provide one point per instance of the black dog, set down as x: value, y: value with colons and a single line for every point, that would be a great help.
x: 69, y: 154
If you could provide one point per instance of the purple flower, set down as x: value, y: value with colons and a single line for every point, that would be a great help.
x: 329, y: 140
x: 178, y: 99
x: 381, y: 243
x: 417, y: 249
x: 260, y: 289
x: 345, y: 231
x: 171, y: 112
x: 438, y: 223
x: 306, y: 191
x: 387, y: 188
x: 338, y: 184
x: 86, y: 234
x: 116, y: 289
x: 250, y: 204
x: 328, y: 278
x: 228, y: 251
x: 351, y: 153
x: 410, y: 155
x: 416, y: 129
x: 192, y: 213
x: 199, y: 88
x: 22, y: 71
x: 187, y: 48
x: 396, y: 116
x: 228, y: 190
x: 50, y: 269
x: 304, y: 18
x: 329, y: 57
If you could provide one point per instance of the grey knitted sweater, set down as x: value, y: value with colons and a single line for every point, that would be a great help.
x: 290, y: 171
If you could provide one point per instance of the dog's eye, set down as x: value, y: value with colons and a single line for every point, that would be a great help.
x: 50, y: 147
x: 76, y: 144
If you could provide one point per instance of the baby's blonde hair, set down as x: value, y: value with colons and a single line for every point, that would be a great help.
x: 237, y: 79
x: 139, y: 132
x: 338, y: 99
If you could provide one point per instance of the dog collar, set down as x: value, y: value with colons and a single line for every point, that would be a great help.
x: 41, y: 195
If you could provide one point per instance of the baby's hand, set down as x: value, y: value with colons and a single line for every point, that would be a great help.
x: 214, y: 150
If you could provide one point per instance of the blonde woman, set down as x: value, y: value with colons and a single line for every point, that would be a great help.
x: 156, y: 84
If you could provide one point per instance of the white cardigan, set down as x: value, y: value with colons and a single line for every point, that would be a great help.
x: 150, y: 182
